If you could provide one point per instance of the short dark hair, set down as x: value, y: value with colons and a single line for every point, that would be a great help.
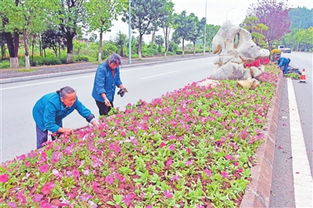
x: 114, y: 58
x: 65, y: 91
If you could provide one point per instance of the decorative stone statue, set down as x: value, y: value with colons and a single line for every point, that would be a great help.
x: 236, y: 49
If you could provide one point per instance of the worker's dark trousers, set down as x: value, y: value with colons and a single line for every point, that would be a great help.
x: 103, y: 109
x: 42, y: 136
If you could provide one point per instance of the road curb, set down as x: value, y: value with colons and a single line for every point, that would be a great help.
x: 258, y: 191
x: 84, y: 71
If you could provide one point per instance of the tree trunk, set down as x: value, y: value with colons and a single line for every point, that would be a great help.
x: 194, y: 48
x: 27, y: 63
x: 40, y: 46
x: 33, y: 46
x: 153, y: 37
x: 69, y: 45
x: 13, y: 45
x: 2, y: 52
x: 139, y: 46
x: 100, y: 47
x: 183, y: 48
x: 166, y: 39
x: 122, y: 52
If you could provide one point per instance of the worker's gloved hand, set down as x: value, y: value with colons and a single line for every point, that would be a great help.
x: 122, y: 91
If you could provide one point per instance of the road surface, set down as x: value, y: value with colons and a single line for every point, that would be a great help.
x: 145, y: 82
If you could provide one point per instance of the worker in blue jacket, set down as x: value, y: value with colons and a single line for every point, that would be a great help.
x: 283, y: 63
x: 50, y: 109
x: 107, y: 78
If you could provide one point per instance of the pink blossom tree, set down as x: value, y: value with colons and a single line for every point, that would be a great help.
x: 274, y: 14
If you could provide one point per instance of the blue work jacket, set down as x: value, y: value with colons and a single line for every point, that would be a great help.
x: 105, y: 82
x: 49, y: 111
x: 283, y: 62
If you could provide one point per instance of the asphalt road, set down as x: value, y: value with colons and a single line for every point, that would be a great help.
x: 144, y: 82
x: 283, y: 187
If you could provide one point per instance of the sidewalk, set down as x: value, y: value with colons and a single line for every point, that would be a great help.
x: 40, y: 72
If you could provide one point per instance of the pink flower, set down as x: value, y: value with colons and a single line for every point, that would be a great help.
x: 109, y: 179
x: 46, y: 189
x: 44, y: 204
x: 172, y: 147
x: 169, y: 162
x: 4, y: 178
x: 175, y: 178
x: 27, y: 164
x: 229, y: 157
x: 21, y: 197
x: 235, y: 163
x: 115, y: 147
x: 224, y: 174
x: 85, y: 197
x: 37, y: 197
x: 168, y: 194
x: 188, y: 150
x: 244, y: 134
x: 162, y: 144
x: 56, y: 157
x: 189, y: 162
x: 134, y: 141
x: 12, y: 205
x: 75, y: 173
x: 128, y: 199
x: 44, y: 168
x: 207, y: 172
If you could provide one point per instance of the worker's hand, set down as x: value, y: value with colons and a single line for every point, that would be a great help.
x: 95, y: 122
x: 107, y: 102
x: 66, y: 131
x: 124, y: 88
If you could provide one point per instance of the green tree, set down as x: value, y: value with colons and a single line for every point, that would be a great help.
x: 184, y: 25
x: 143, y: 14
x: 159, y: 41
x: 8, y: 19
x: 301, y: 18
x: 211, y: 31
x: 121, y: 40
x: 251, y: 23
x: 71, y: 16
x: 167, y: 23
x: 196, y: 30
x: 100, y: 14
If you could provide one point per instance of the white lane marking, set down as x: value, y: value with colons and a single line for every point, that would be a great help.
x: 300, y: 164
x: 45, y: 82
x: 158, y: 75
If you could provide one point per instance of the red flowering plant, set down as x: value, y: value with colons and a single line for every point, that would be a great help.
x: 193, y: 147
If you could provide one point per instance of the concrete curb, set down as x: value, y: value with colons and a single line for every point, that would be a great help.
x: 84, y: 71
x: 258, y: 191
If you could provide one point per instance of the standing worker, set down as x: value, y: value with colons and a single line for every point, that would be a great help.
x: 283, y: 63
x: 107, y: 78
x: 50, y: 109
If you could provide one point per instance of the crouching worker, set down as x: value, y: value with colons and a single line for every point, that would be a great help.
x: 283, y: 63
x: 50, y: 109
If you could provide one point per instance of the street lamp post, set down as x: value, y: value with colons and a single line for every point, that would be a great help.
x: 204, y: 36
x: 129, y: 33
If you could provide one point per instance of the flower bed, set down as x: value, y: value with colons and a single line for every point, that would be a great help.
x: 193, y: 147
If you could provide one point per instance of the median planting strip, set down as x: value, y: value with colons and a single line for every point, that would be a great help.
x: 193, y: 147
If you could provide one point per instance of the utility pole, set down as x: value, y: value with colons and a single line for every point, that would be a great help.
x: 204, y: 36
x: 129, y: 33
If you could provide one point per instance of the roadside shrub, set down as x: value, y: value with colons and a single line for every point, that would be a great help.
x: 149, y: 50
x: 81, y: 58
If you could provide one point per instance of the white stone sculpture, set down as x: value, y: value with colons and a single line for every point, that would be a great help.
x: 235, y: 46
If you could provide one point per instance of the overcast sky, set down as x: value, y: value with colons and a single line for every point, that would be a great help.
x: 218, y: 11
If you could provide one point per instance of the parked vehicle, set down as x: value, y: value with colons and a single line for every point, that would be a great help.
x: 284, y: 49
